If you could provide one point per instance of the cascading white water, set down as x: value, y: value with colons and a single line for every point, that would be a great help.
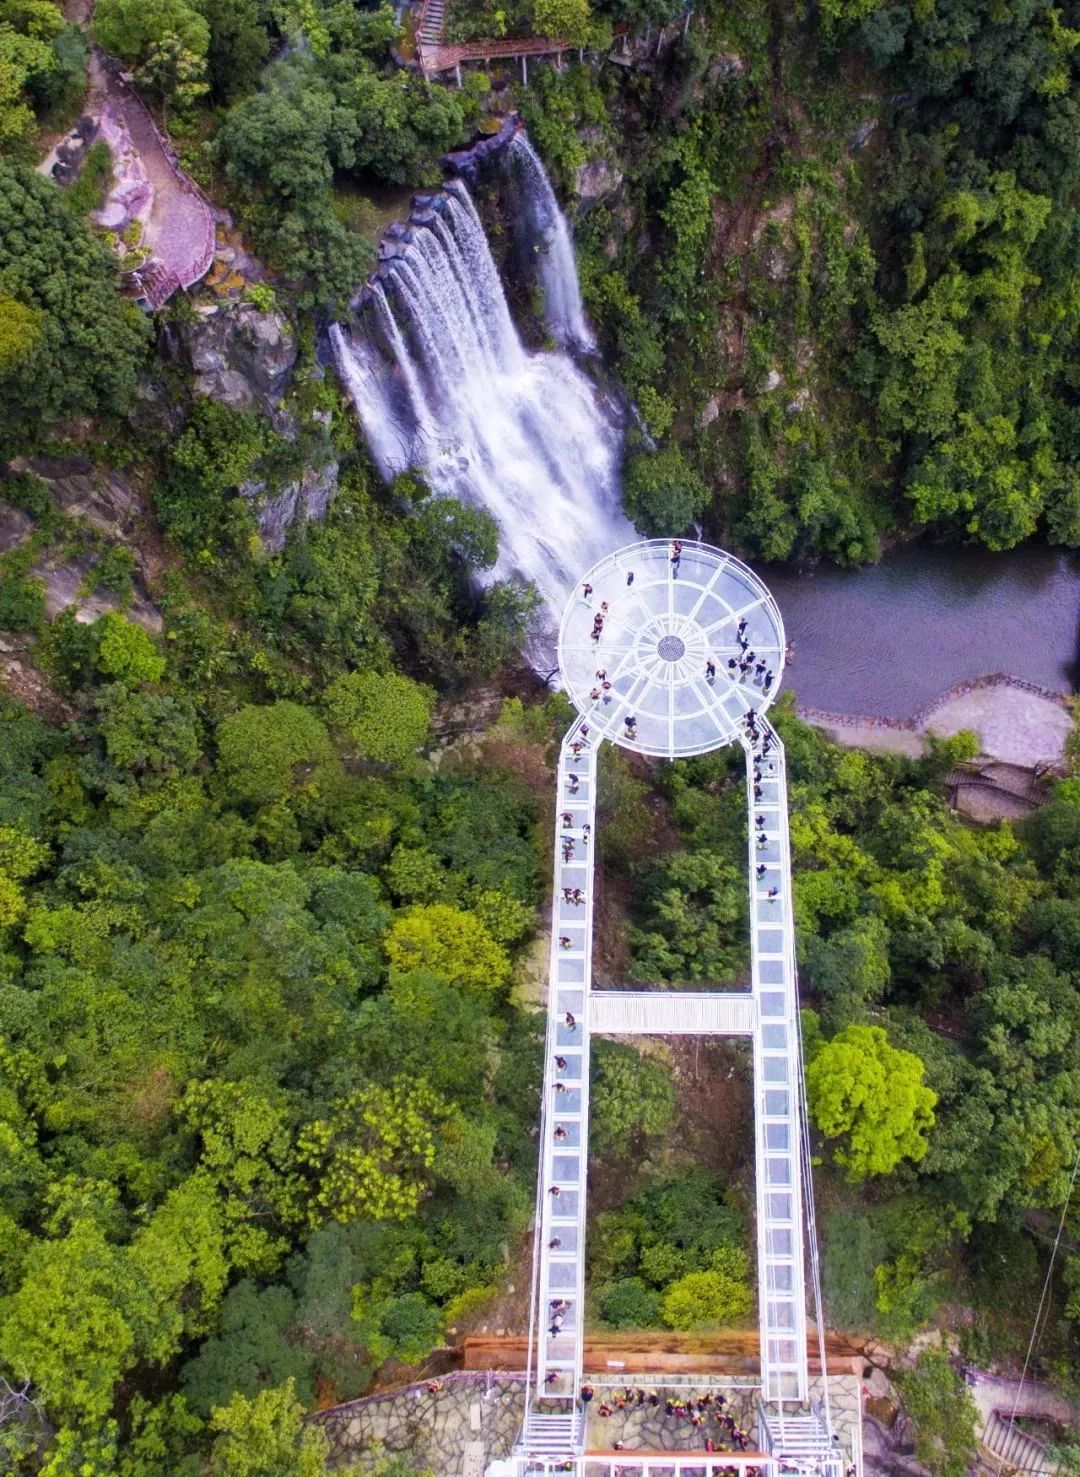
x: 564, y: 314
x: 525, y: 436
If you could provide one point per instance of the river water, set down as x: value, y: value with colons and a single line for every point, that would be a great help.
x: 887, y: 640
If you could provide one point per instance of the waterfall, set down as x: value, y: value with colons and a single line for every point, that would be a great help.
x: 563, y: 311
x: 442, y: 382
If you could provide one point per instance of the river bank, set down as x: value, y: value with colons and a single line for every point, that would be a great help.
x: 1017, y: 722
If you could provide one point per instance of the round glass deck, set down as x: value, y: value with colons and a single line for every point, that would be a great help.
x: 660, y: 631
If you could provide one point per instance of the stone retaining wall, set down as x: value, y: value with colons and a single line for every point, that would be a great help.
x: 474, y: 1419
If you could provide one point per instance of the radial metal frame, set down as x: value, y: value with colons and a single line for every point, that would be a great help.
x: 655, y: 609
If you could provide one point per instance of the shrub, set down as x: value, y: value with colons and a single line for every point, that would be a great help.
x: 629, y: 1303
x: 712, y: 1299
x: 384, y: 716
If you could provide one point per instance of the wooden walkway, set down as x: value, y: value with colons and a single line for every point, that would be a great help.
x: 703, y: 1355
x: 446, y: 56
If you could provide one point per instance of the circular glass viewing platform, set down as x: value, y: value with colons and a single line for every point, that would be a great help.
x: 665, y: 654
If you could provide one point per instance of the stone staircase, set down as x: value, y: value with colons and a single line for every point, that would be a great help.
x: 432, y: 22
x: 157, y: 283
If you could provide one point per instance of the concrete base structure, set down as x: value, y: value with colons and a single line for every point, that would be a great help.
x: 470, y: 1425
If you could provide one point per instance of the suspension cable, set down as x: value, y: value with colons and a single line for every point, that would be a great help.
x: 1044, y: 1300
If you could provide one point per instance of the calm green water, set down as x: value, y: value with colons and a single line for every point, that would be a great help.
x: 887, y: 640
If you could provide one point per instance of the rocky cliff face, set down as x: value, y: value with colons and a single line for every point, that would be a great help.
x: 241, y: 355
x: 245, y: 357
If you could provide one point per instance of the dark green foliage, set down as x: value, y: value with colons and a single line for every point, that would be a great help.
x: 692, y: 919
x: 250, y: 1350
x: 662, y: 494
x: 629, y: 1303
x: 678, y: 1225
x: 282, y: 146
x: 239, y: 45
x: 632, y: 1099
x: 317, y: 117
x: 90, y: 342
x: 88, y: 191
x: 197, y: 500
x: 944, y: 1414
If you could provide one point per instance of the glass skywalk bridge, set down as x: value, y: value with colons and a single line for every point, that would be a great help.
x: 671, y: 650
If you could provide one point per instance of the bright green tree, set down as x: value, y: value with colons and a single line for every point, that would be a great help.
x: 24, y: 62
x: 261, y: 749
x: 449, y: 943
x: 712, y: 1299
x: 69, y: 1328
x: 20, y: 334
x: 266, y: 1437
x: 568, y: 20
x: 384, y: 715
x: 865, y: 1092
x: 372, y: 1156
x: 125, y: 651
x: 180, y: 1260
x: 246, y: 1150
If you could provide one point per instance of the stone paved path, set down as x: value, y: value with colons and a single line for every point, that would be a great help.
x: 475, y: 1418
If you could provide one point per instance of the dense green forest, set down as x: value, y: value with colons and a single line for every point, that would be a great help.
x: 269, y: 1044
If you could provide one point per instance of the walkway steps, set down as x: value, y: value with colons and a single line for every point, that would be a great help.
x: 670, y: 1013
x: 1018, y: 1451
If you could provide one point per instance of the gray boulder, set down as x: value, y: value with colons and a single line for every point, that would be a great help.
x: 595, y: 180
x: 240, y: 355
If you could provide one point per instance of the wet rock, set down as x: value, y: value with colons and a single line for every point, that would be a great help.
x: 709, y: 414
x: 862, y: 134
x: 799, y: 402
x: 130, y: 192
x: 599, y: 177
x: 16, y: 525
x: 595, y: 180
x: 776, y: 264
x: 726, y: 66
x: 105, y: 499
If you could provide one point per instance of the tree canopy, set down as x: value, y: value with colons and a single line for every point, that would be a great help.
x: 74, y: 347
x: 865, y: 1092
